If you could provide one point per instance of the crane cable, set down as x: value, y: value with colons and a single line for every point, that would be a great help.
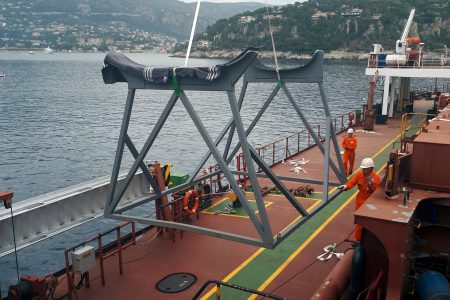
x: 192, y: 33
x: 273, y: 44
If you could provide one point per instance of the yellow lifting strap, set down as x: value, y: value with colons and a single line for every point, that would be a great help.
x: 165, y: 170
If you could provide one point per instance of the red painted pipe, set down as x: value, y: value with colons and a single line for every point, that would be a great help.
x: 336, y: 282
x: 374, y: 286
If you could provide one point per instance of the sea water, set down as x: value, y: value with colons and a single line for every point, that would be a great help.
x: 59, y: 126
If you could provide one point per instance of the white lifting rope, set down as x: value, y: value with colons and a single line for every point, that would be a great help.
x: 192, y: 33
x: 273, y: 43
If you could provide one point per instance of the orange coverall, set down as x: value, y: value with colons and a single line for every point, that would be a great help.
x: 349, y: 144
x: 366, y: 187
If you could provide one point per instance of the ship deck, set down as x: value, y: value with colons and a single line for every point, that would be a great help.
x: 290, y: 270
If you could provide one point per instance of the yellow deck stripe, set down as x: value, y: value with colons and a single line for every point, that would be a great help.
x: 234, y: 272
x: 297, y: 197
x: 254, y: 255
x: 302, y: 246
x: 245, y: 263
x: 305, y: 244
x: 318, y: 230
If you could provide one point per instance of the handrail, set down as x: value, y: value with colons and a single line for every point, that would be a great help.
x: 436, y: 59
x: 302, y: 141
x: 101, y: 255
x: 219, y: 283
x: 282, y: 149
x: 404, y: 127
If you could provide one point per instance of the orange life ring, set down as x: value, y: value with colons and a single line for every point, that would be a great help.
x: 413, y: 40
x: 187, y: 197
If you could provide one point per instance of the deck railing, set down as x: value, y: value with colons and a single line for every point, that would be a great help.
x: 219, y: 284
x: 440, y: 59
x: 283, y: 149
x: 441, y: 88
x: 117, y: 247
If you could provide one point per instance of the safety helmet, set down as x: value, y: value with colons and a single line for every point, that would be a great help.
x: 350, y: 131
x: 367, y: 163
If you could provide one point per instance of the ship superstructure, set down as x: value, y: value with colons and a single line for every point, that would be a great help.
x: 410, y: 60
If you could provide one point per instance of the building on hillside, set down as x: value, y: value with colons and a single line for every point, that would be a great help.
x: 376, y: 16
x: 355, y: 12
x: 319, y: 14
x: 272, y: 17
x: 246, y: 19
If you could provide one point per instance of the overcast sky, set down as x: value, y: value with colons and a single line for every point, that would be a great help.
x: 275, y: 2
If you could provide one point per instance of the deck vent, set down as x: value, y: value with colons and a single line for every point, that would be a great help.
x: 175, y: 283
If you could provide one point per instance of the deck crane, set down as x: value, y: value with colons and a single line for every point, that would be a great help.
x: 400, y: 57
x: 401, y: 44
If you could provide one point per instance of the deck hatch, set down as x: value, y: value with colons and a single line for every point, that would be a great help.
x: 175, y: 283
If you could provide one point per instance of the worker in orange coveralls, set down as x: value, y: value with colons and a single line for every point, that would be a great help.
x: 349, y: 144
x: 367, y: 182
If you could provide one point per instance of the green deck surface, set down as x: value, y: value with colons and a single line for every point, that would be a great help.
x: 219, y: 208
x: 257, y: 271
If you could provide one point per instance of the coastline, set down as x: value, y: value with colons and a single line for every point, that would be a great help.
x: 331, y: 55
x: 225, y: 54
x: 222, y: 54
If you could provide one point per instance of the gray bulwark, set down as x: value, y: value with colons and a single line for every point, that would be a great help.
x: 44, y: 216
x: 118, y: 68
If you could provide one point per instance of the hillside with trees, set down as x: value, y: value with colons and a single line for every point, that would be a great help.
x: 347, y: 25
x: 127, y: 25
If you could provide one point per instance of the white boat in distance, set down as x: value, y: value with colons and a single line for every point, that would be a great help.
x: 48, y: 50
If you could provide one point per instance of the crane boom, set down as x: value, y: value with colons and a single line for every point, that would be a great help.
x: 408, y: 25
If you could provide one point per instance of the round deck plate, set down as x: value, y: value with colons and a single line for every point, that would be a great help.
x: 175, y: 283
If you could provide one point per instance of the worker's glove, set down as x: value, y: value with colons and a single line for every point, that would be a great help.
x: 342, y: 187
x: 370, y: 181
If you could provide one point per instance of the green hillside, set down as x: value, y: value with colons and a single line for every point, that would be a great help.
x: 330, y: 25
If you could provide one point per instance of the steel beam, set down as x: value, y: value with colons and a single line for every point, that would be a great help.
x: 194, y: 229
x: 308, y: 127
x: 159, y: 124
x: 266, y: 169
x: 285, y: 178
x: 332, y: 133
x: 222, y: 164
x: 255, y: 121
x: 119, y: 152
x: 251, y: 169
x: 142, y: 165
x: 229, y: 125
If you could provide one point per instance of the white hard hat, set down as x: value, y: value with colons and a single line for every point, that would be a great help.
x: 350, y: 131
x: 367, y: 163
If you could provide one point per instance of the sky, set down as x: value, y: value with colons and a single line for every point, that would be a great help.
x: 274, y: 2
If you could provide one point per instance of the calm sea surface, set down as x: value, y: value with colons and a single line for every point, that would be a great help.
x: 60, y: 123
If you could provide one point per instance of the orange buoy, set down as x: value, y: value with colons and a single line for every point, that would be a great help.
x: 187, y: 197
